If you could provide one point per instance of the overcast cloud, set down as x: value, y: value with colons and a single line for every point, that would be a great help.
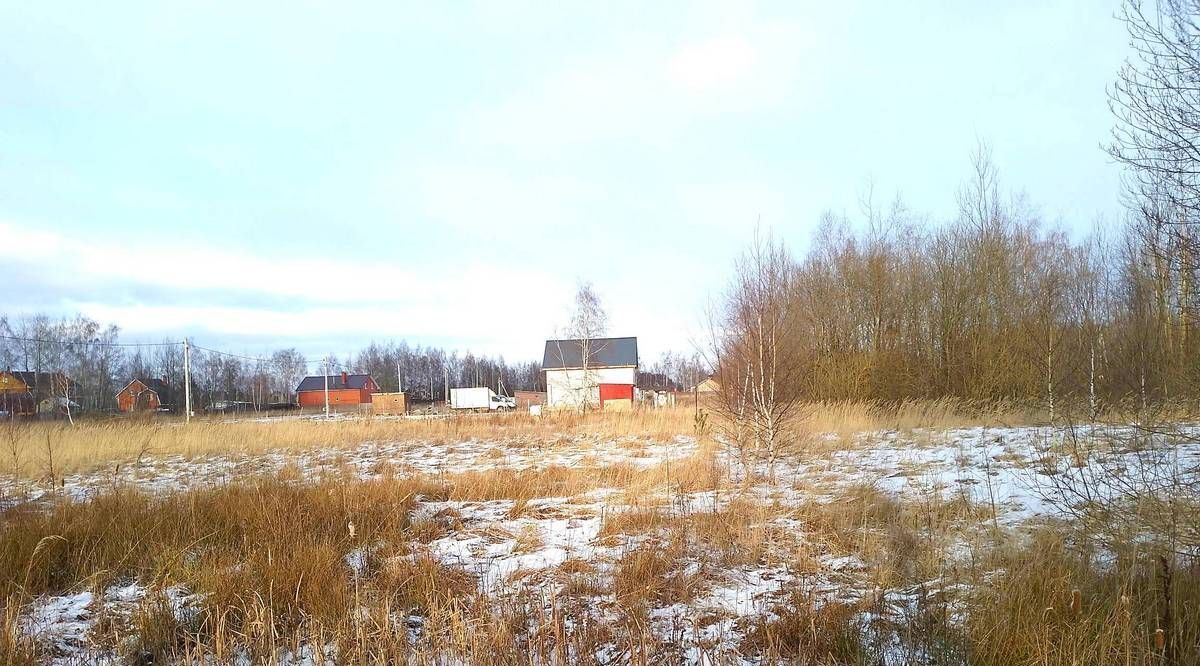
x: 283, y: 174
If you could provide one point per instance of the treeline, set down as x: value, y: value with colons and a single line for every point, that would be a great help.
x: 994, y: 304
x: 100, y: 364
x: 424, y: 371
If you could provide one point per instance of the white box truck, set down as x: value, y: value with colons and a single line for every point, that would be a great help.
x: 479, y: 398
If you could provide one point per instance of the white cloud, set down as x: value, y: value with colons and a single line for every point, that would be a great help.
x: 477, y: 302
x: 490, y: 326
x: 224, y: 295
x: 206, y: 268
x: 498, y: 202
x: 608, y: 99
x: 649, y: 91
x: 713, y: 63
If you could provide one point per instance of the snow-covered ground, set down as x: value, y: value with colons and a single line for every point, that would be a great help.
x: 1005, y: 467
x: 367, y: 460
x: 510, y: 548
x: 68, y: 624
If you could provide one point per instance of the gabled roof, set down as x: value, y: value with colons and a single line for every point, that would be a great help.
x: 709, y: 383
x: 317, y: 382
x: 602, y: 353
x: 42, y: 380
x: 154, y: 384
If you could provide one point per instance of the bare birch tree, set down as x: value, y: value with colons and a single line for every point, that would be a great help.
x: 588, y: 323
x: 1157, y: 104
x: 759, y: 355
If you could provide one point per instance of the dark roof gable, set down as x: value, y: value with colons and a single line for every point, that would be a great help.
x: 317, y: 382
x: 155, y: 384
x: 602, y: 353
x: 42, y: 380
x: 656, y: 381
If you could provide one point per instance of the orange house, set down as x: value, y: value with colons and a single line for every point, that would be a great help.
x: 20, y: 391
x: 142, y: 395
x: 344, y: 389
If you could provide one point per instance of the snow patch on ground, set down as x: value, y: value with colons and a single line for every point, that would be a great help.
x: 370, y: 460
x: 510, y: 546
x: 65, y: 623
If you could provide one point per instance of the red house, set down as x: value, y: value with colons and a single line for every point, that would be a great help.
x: 344, y: 389
x: 141, y: 395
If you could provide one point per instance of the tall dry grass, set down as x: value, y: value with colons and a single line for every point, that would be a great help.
x: 43, y: 450
x: 850, y: 417
x: 1032, y: 597
x: 125, y: 533
x: 1053, y: 603
x: 268, y: 559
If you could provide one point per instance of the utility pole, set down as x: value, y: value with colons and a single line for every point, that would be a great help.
x: 187, y: 382
x: 399, y: 378
x: 326, y: 387
x: 446, y: 395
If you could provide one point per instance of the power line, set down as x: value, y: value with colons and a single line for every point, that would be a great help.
x: 231, y: 355
x: 72, y: 343
x: 85, y: 343
x: 243, y: 357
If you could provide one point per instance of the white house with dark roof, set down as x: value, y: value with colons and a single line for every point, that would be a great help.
x: 581, y: 374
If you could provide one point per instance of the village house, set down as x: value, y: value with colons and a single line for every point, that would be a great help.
x: 709, y: 385
x: 582, y: 374
x: 656, y: 381
x: 146, y: 395
x: 21, y: 392
x: 656, y: 389
x: 344, y: 389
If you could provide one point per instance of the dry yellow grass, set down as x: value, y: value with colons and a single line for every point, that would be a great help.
x: 268, y: 556
x: 848, y: 417
x: 39, y: 449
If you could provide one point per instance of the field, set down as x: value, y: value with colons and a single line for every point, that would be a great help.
x: 923, y: 533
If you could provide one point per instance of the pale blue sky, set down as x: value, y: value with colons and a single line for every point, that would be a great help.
x: 174, y: 167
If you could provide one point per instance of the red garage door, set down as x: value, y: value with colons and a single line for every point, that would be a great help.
x: 616, y: 392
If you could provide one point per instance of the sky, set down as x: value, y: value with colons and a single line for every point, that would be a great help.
x: 319, y: 174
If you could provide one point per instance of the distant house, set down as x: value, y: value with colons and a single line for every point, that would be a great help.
x: 709, y: 385
x: 21, y: 391
x: 656, y: 389
x: 146, y: 395
x: 57, y: 406
x: 610, y: 374
x: 344, y: 389
x: 656, y: 381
